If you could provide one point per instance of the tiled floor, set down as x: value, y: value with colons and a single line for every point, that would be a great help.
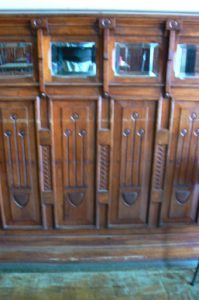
x: 127, y: 281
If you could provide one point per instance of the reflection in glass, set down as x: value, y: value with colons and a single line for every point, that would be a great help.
x: 73, y: 59
x: 16, y: 59
x: 187, y: 61
x: 140, y: 60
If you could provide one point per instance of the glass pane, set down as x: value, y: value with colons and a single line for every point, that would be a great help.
x: 136, y: 60
x: 16, y: 59
x: 187, y: 61
x: 73, y: 59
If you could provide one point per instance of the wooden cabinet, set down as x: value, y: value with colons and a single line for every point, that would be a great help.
x: 99, y: 126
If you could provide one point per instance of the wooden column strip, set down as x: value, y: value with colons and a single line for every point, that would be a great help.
x: 104, y: 129
x: 162, y: 133
x: 40, y: 26
x: 106, y: 24
x: 173, y: 26
x: 45, y: 159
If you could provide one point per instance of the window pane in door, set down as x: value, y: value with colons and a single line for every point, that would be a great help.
x: 73, y: 59
x: 136, y: 60
x: 187, y: 61
x: 16, y: 59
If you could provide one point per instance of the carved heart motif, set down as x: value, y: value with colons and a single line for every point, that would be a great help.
x: 129, y: 198
x: 21, y: 196
x: 75, y: 198
x: 182, y: 196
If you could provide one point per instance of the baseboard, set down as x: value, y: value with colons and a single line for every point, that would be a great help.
x: 59, y: 247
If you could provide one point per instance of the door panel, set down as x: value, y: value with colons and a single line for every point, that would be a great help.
x: 74, y: 156
x: 19, y: 181
x: 132, y: 155
x: 181, y: 188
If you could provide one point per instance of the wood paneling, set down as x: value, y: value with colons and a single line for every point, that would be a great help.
x: 19, y: 181
x: 133, y: 139
x: 99, y: 157
x: 181, y: 187
x: 74, y: 125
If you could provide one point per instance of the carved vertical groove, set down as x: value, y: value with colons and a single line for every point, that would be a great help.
x: 159, y: 167
x: 140, y: 133
x: 8, y: 134
x: 13, y: 117
x: 104, y: 161
x: 46, y: 168
x: 22, y: 136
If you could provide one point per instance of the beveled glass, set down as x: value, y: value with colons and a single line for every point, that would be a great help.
x: 136, y: 60
x: 186, y: 63
x: 16, y: 59
x: 69, y: 59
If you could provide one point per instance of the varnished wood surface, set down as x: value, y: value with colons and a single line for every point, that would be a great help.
x: 60, y: 248
x: 100, y: 162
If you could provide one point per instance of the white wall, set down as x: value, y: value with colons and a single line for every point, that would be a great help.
x: 127, y: 5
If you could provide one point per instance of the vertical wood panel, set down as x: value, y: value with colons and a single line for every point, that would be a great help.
x: 19, y: 183
x: 181, y: 192
x: 74, y: 124
x: 132, y: 159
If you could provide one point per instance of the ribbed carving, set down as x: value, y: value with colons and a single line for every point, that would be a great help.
x: 159, y: 167
x: 46, y: 168
x: 104, y: 162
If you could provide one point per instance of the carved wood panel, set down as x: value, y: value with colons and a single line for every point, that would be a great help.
x: 180, y: 203
x: 19, y: 181
x: 74, y: 157
x: 132, y: 155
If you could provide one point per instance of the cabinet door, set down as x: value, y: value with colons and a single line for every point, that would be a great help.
x: 72, y: 58
x: 136, y: 60
x: 180, y: 203
x: 186, y: 61
x: 74, y: 157
x: 18, y: 165
x: 132, y: 159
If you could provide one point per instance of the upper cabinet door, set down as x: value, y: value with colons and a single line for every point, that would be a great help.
x: 72, y: 59
x: 186, y: 61
x: 136, y: 60
x: 17, y: 60
x: 136, y: 52
x: 18, y: 51
x: 183, y: 53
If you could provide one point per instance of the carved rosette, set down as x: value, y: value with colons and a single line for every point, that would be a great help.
x: 40, y: 23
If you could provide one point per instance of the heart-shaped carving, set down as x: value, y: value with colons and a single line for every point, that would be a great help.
x: 76, y: 198
x: 182, y: 196
x: 129, y: 198
x: 21, y: 196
